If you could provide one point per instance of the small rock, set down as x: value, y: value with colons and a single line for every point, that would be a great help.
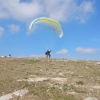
x: 6, y: 97
x: 90, y: 98
x: 96, y: 87
x: 20, y: 92
x: 80, y: 76
x: 97, y: 62
x: 60, y: 74
x: 72, y: 93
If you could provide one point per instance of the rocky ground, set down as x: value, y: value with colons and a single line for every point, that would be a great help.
x: 49, y: 79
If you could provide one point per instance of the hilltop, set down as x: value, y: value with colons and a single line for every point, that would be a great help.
x: 49, y: 79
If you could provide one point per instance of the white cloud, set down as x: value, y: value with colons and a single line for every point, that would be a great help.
x: 19, y: 10
x: 86, y: 7
x: 1, y: 31
x: 84, y: 10
x: 13, y: 28
x: 60, y: 10
x: 62, y: 52
x: 86, y: 50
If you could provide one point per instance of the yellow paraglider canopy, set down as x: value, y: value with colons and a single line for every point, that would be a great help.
x: 51, y: 23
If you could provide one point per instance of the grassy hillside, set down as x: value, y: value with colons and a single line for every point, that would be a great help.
x: 50, y: 79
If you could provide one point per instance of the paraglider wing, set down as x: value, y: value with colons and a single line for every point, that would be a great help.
x: 51, y: 23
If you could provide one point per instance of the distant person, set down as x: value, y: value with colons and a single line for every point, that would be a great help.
x: 47, y: 53
x: 9, y: 56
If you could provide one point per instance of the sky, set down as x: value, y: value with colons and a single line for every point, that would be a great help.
x: 80, y: 21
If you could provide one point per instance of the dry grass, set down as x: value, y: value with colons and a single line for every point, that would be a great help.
x: 65, y: 79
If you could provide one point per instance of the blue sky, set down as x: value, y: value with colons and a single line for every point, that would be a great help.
x: 80, y: 23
